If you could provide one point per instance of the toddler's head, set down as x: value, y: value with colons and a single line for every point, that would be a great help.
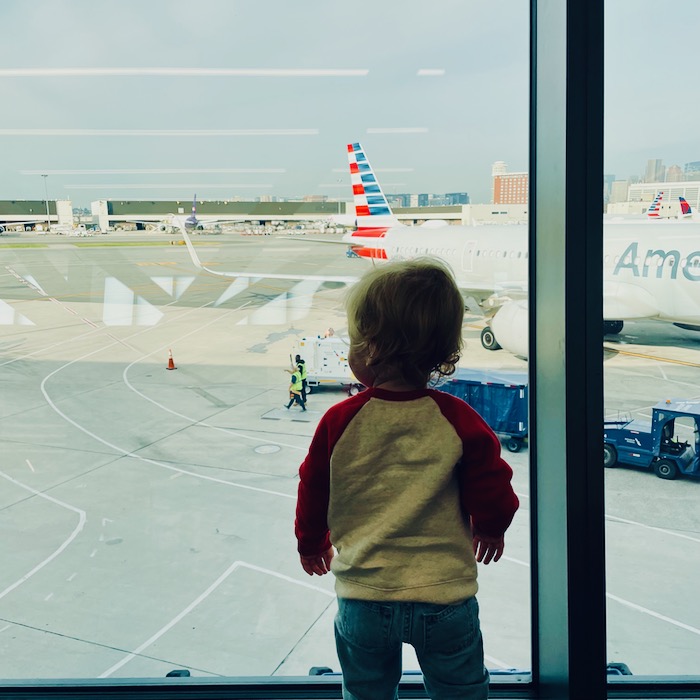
x: 405, y: 321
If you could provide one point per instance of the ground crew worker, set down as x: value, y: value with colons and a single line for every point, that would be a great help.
x: 295, y: 389
x: 301, y: 366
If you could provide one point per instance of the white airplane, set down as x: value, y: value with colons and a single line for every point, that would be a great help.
x: 661, y: 209
x: 651, y: 271
x: 176, y: 222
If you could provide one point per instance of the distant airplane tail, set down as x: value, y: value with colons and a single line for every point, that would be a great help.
x: 191, y: 220
x: 655, y: 207
x: 372, y: 211
x: 685, y: 207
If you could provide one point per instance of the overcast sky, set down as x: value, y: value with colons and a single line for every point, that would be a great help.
x: 157, y: 99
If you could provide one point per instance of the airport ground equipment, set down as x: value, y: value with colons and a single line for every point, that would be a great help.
x: 327, y: 363
x: 499, y: 396
x: 656, y: 444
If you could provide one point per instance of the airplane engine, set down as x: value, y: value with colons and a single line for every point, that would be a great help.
x: 508, y: 329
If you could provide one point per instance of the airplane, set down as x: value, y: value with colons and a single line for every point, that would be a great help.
x: 175, y: 222
x: 651, y: 270
x: 658, y: 210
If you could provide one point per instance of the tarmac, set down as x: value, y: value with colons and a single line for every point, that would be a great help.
x: 147, y: 515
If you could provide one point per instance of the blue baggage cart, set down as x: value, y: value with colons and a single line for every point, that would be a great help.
x: 500, y: 398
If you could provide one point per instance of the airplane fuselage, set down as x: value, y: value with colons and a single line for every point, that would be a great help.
x: 650, y: 271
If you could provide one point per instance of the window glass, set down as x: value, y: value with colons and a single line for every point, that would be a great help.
x: 150, y: 462
x: 651, y: 350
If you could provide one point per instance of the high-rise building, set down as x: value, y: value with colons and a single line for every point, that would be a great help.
x: 457, y: 198
x: 508, y: 188
x: 655, y: 171
x: 674, y: 173
x: 691, y: 171
x: 618, y: 191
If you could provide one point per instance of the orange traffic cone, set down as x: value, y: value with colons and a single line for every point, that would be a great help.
x: 171, y: 363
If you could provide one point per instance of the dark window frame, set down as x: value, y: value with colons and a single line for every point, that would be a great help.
x: 568, y: 557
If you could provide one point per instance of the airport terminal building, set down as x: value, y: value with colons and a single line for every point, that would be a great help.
x: 113, y: 214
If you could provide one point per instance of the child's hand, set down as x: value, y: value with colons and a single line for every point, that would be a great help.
x: 319, y: 565
x: 487, y: 548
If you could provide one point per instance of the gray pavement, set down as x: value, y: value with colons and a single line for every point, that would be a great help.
x: 147, y: 515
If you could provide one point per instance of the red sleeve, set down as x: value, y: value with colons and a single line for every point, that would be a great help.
x: 311, y: 523
x: 484, y: 476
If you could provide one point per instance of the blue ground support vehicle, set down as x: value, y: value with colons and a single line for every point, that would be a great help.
x: 499, y: 396
x: 656, y: 445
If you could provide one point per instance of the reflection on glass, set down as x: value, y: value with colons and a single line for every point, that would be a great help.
x: 147, y: 514
x: 652, y: 349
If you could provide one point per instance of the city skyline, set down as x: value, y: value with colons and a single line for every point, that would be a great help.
x: 230, y: 99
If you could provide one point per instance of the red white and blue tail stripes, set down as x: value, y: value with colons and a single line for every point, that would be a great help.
x: 655, y: 207
x: 371, y: 208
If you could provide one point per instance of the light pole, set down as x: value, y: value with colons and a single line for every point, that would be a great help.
x: 46, y: 197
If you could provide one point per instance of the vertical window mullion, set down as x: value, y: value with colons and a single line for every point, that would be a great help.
x: 566, y: 216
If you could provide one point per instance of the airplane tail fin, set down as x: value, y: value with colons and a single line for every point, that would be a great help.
x: 655, y: 207
x: 194, y: 206
x: 685, y: 207
x: 372, y: 211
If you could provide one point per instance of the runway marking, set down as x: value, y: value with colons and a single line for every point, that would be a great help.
x: 127, y: 453
x: 497, y: 662
x: 652, y: 527
x: 92, y: 554
x: 6, y: 627
x: 629, y: 604
x: 669, y: 360
x: 651, y: 613
x: 203, y: 596
x: 72, y: 576
x: 48, y: 597
x: 29, y: 464
x: 81, y: 523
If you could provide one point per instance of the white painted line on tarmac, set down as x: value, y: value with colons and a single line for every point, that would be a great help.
x: 651, y: 613
x: 652, y: 527
x: 203, y: 596
x: 629, y: 604
x: 195, y: 421
x: 128, y: 453
x: 29, y: 464
x: 496, y: 662
x: 48, y: 597
x: 72, y: 576
x: 92, y: 554
x: 515, y: 561
x: 81, y: 523
x: 6, y: 627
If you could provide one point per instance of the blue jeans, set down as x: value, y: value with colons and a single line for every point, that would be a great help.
x: 447, y: 640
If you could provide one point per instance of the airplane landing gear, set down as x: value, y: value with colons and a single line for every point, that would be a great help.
x: 488, y: 339
x: 612, y: 327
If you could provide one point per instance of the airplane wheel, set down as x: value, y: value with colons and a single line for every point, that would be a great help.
x: 609, y: 456
x: 665, y: 469
x: 612, y: 327
x: 488, y: 339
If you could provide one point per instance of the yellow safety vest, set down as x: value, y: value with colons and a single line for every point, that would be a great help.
x: 302, y: 369
x: 296, y: 384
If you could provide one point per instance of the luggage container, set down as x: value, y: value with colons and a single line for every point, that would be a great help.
x: 500, y: 398
x: 327, y: 363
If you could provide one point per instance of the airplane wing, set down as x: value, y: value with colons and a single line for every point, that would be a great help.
x: 267, y: 275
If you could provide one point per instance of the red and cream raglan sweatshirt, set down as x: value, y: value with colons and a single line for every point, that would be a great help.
x: 391, y: 479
